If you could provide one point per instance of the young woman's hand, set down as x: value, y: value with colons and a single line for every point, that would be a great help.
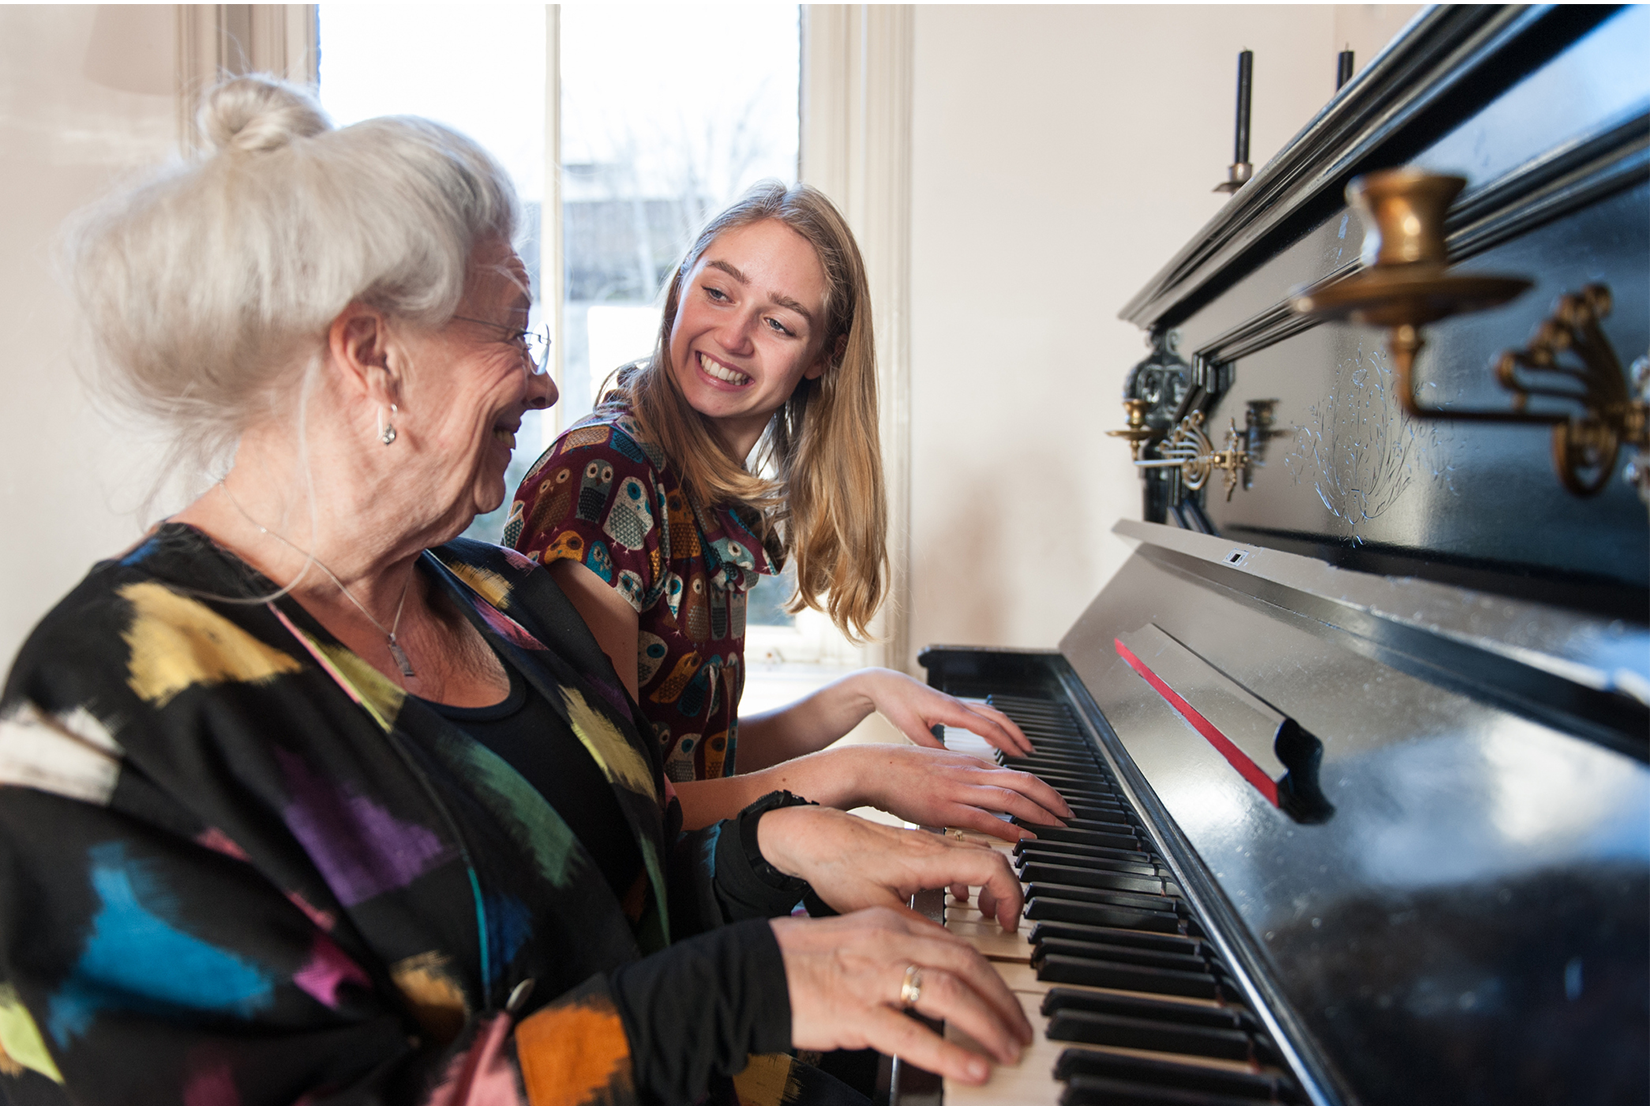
x: 848, y: 977
x: 853, y: 863
x: 914, y: 708
x: 813, y: 722
x: 935, y: 787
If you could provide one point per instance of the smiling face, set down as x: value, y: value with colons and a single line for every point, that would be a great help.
x: 750, y: 325
x: 470, y: 383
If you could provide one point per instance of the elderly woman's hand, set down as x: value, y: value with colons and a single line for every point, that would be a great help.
x: 853, y: 863
x: 850, y: 977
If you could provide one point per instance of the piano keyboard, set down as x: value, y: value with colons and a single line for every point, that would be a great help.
x: 1131, y: 1005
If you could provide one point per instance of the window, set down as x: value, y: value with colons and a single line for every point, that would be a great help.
x: 478, y: 68
x: 668, y: 112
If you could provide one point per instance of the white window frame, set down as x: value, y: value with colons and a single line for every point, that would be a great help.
x: 219, y: 40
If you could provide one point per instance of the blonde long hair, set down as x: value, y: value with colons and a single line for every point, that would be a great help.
x: 817, y: 481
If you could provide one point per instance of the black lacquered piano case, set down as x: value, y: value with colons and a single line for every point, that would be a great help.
x: 1358, y: 737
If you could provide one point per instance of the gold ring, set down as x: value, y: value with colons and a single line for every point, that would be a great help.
x: 910, y: 991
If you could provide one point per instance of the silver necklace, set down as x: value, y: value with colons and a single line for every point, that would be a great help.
x: 396, y: 651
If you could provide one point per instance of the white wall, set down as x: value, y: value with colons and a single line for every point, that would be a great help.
x: 86, y: 93
x: 1061, y: 156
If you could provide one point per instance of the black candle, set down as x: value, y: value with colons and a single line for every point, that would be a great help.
x: 1246, y: 66
x: 1343, y: 69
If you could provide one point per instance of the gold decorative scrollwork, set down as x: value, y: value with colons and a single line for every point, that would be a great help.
x: 1189, y: 449
x: 1585, y: 445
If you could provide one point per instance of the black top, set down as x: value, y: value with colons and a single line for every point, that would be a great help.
x: 524, y: 731
x: 724, y: 990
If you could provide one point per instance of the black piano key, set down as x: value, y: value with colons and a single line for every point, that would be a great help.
x: 1123, y: 824
x: 1104, y: 821
x: 1051, y: 757
x: 1053, y: 968
x: 1123, y: 954
x: 1085, y: 862
x: 1093, y: 798
x: 1088, y: 837
x: 1097, y: 914
x: 1078, y: 784
x: 1078, y: 772
x: 1043, y: 732
x: 1130, y: 899
x: 1262, y: 1086
x: 1071, y: 931
x: 1099, y: 1090
x: 1083, y: 806
x: 1085, y: 1027
x: 1051, y: 849
x: 1043, y: 872
x: 1149, y: 1009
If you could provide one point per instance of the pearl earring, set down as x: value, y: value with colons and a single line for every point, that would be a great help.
x: 387, y: 435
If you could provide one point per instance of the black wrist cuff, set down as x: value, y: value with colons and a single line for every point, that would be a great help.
x: 748, y: 819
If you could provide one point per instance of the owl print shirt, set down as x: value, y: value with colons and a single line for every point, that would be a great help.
x: 606, y: 498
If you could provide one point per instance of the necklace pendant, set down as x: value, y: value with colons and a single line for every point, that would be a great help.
x: 401, y: 660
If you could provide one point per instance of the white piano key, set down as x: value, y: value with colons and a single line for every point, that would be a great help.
x: 1031, y: 1081
x: 991, y: 940
x: 1027, y: 1083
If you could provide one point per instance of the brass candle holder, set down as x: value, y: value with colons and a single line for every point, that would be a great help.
x: 1405, y: 285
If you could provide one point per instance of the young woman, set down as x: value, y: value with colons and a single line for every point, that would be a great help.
x: 749, y: 439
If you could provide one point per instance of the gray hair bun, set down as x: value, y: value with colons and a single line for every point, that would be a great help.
x: 257, y: 113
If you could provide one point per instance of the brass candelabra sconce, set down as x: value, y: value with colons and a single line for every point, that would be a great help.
x: 1187, y: 448
x: 1405, y: 285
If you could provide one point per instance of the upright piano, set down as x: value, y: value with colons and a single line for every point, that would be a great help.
x: 1358, y: 738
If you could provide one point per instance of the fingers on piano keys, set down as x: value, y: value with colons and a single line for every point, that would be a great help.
x: 1130, y: 1002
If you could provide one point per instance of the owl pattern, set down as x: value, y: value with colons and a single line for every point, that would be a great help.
x: 629, y: 585
x: 699, y: 696
x: 604, y: 496
x: 629, y: 521
x: 593, y: 487
x: 569, y: 545
x: 549, y: 502
x: 673, y: 595
x: 600, y: 561
x: 736, y: 614
x: 718, y: 614
x: 715, y: 752
x: 671, y: 689
x: 695, y: 618
x: 679, y: 766
x: 581, y: 437
x: 650, y: 654
x: 513, y: 524
x: 684, y: 533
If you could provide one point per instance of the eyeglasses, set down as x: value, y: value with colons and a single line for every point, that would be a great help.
x: 535, y: 343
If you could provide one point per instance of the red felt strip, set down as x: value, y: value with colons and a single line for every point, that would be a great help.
x: 1247, y: 768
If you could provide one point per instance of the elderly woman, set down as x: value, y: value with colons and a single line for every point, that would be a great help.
x: 303, y: 799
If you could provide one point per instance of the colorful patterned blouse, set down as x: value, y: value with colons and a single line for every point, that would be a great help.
x: 603, y: 496
x: 238, y: 865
